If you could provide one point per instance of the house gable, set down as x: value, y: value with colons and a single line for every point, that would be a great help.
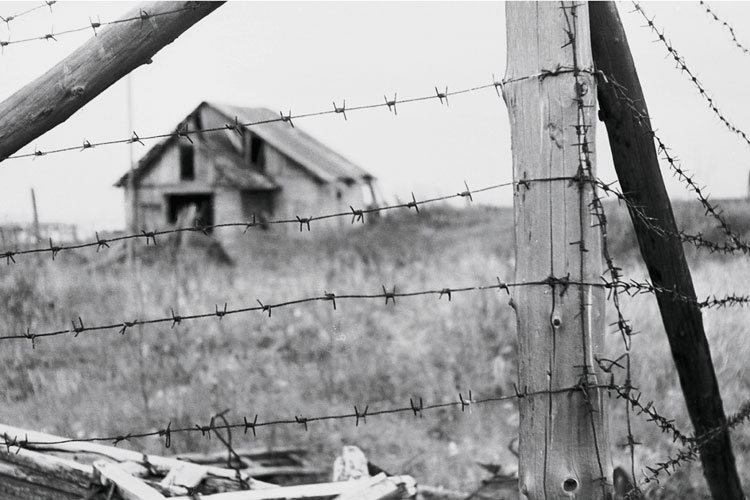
x: 268, y: 157
x: 310, y: 154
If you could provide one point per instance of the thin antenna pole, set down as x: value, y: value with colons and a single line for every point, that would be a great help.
x: 133, y: 226
x: 37, y: 233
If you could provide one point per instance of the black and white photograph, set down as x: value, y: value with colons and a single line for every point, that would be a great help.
x: 374, y: 250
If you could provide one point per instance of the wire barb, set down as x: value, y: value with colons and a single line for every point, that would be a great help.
x: 392, y: 103
x: 357, y: 215
x: 331, y: 297
x: 416, y: 409
x: 128, y: 324
x: 264, y: 308
x: 341, y: 110
x: 467, y: 193
x: 304, y: 221
x: 390, y: 295
x: 251, y: 425
x: 360, y: 416
x: 442, y: 95
x: 466, y: 403
x: 413, y: 203
x: 221, y: 313
x: 287, y: 118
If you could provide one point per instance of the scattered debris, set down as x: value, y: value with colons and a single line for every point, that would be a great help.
x: 37, y: 465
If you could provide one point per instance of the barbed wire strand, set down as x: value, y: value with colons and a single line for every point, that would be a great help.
x: 389, y: 296
x: 624, y: 327
x: 466, y: 402
x: 675, y: 165
x: 697, y: 240
x: 250, y: 422
x: 357, y: 215
x: 681, y: 64
x: 690, y: 452
x: 711, y: 13
x: 615, y: 284
x: 93, y: 25
x: 666, y: 425
x: 633, y: 287
x: 7, y: 19
x: 289, y: 118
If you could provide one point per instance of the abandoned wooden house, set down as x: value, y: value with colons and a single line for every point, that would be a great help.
x: 271, y: 170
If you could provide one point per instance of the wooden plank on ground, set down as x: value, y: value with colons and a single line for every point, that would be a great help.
x: 17, y: 489
x: 389, y: 488
x: 295, y: 492
x: 129, y: 487
x: 186, y: 475
x: 50, y: 442
x: 45, y: 470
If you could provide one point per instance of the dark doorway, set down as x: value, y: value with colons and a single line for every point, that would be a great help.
x: 190, y: 209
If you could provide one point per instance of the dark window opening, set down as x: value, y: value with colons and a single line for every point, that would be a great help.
x: 258, y: 204
x: 187, y: 162
x: 257, y: 153
x: 190, y: 209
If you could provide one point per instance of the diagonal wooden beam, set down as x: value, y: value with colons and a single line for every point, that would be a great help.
x: 116, y: 51
x: 637, y: 167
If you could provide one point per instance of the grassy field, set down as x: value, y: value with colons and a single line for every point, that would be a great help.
x: 308, y: 360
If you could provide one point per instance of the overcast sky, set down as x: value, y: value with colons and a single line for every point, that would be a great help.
x: 302, y: 56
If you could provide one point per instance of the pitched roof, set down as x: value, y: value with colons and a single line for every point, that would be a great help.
x: 316, y: 158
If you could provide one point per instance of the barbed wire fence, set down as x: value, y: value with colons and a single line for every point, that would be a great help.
x: 692, y: 77
x: 725, y: 24
x: 8, y: 18
x: 616, y: 284
x: 52, y: 35
x: 390, y: 104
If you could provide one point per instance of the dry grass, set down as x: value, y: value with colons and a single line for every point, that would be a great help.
x: 311, y: 360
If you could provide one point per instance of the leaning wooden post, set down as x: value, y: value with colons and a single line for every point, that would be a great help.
x: 550, y: 93
x: 625, y: 115
x: 92, y: 68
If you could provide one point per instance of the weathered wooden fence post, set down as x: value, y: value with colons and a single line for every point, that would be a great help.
x: 550, y: 92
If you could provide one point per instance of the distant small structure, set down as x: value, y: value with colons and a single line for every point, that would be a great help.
x: 237, y: 174
x: 29, y: 235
